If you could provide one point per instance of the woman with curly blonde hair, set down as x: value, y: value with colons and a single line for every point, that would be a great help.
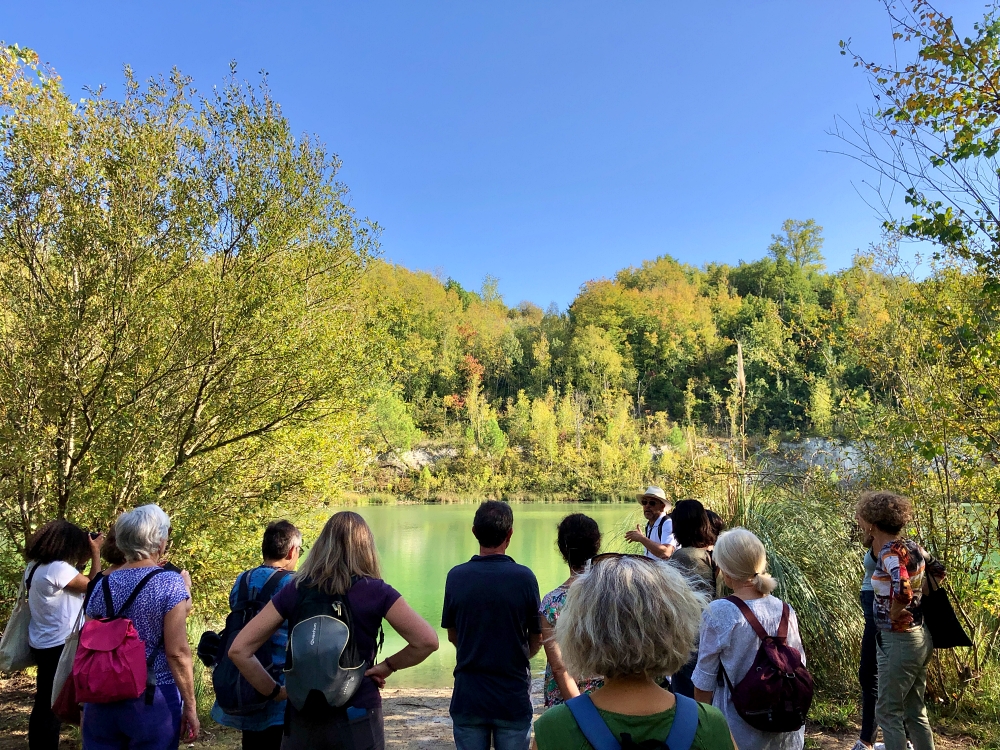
x: 903, y: 644
x: 631, y: 619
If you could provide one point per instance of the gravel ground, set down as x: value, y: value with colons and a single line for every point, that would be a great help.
x: 414, y: 720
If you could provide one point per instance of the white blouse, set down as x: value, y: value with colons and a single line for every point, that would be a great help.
x: 727, y: 638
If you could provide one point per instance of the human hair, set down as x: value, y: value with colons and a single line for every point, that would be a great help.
x: 345, y: 548
x: 279, y: 538
x: 741, y: 556
x: 579, y: 539
x: 718, y: 525
x: 888, y: 511
x: 629, y: 616
x: 494, y: 520
x: 59, y: 540
x: 691, y: 525
x: 109, y: 548
x: 139, y: 533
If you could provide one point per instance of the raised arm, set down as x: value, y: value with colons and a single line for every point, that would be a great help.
x: 79, y: 584
x: 421, y: 641
x: 662, y: 551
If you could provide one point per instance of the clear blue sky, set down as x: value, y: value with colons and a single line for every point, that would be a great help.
x: 546, y: 143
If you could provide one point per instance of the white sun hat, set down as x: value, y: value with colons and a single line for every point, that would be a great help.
x: 654, y: 491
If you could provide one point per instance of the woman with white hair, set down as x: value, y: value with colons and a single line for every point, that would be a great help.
x: 159, y: 612
x: 633, y: 620
x: 728, y: 639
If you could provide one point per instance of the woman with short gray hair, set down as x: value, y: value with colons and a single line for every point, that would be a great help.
x: 140, y: 533
x: 159, y: 613
x: 633, y: 620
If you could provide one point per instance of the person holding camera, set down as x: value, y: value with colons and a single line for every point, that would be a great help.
x: 56, y: 590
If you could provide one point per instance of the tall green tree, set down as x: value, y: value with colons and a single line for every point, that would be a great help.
x: 178, y: 279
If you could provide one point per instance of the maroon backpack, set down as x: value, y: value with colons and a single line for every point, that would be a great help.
x: 776, y: 693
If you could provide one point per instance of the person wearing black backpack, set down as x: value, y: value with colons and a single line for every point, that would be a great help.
x: 263, y: 728
x: 334, y: 610
x: 751, y: 664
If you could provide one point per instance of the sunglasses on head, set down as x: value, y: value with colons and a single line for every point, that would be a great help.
x: 618, y: 555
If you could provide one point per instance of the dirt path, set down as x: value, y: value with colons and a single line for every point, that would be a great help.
x: 414, y: 720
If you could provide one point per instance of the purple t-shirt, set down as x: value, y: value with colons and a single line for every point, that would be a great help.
x: 160, y: 595
x: 370, y: 599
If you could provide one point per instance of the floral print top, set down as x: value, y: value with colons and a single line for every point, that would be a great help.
x: 552, y: 604
x: 899, y: 576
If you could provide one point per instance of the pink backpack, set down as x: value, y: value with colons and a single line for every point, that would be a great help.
x: 111, y: 663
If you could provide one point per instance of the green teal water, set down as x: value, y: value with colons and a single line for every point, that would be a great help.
x: 419, y: 544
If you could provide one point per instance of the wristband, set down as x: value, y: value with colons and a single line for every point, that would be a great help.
x: 274, y: 693
x: 389, y: 664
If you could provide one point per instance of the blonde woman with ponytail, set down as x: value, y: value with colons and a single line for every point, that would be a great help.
x: 727, y: 639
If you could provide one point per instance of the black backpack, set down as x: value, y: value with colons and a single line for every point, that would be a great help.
x: 324, y: 666
x: 233, y: 693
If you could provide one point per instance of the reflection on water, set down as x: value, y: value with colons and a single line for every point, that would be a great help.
x: 419, y: 544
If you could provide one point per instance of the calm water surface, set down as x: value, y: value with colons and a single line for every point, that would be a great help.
x: 419, y: 544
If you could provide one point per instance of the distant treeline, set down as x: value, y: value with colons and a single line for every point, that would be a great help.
x: 662, y: 338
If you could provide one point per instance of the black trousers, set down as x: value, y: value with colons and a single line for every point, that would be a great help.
x: 43, y: 726
x: 334, y: 732
x: 265, y: 739
x: 868, y: 669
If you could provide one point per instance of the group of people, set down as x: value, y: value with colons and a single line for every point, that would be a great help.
x: 639, y: 634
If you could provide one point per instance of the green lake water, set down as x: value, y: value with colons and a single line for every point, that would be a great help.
x: 419, y: 544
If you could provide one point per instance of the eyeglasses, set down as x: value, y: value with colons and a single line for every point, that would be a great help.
x: 650, y: 503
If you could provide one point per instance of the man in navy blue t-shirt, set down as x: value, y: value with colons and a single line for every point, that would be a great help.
x: 491, y: 613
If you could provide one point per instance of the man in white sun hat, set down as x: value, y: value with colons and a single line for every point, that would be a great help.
x: 659, y: 538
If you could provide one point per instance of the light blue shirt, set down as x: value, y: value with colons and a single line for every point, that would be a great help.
x: 274, y: 714
x: 870, y: 563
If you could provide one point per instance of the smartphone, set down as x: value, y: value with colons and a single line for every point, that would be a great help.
x: 171, y: 567
x: 94, y: 534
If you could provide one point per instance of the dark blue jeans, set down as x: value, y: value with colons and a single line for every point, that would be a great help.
x: 868, y: 669
x: 476, y: 733
x: 132, y: 725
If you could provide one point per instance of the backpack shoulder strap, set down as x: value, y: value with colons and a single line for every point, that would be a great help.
x: 242, y: 588
x: 591, y: 723
x: 786, y: 613
x: 109, y: 604
x: 750, y: 617
x: 685, y: 725
x: 271, y: 585
x: 31, y: 574
x: 135, y: 592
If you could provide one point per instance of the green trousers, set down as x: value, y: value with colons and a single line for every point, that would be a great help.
x: 902, y: 680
